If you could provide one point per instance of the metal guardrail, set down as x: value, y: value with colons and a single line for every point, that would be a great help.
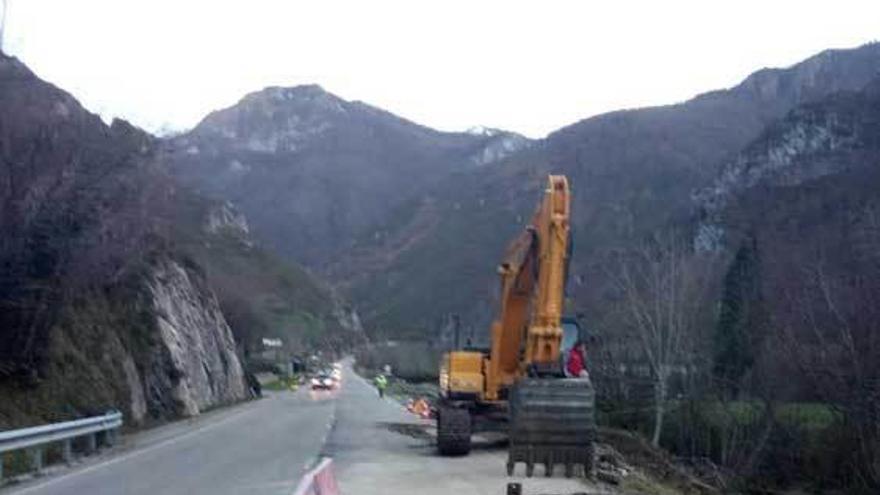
x: 36, y: 438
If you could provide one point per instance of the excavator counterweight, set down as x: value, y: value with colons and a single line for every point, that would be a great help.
x: 519, y: 385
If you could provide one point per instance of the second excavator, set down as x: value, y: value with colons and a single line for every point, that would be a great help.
x: 518, y: 385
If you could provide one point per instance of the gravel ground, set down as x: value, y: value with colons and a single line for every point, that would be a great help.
x: 380, y: 449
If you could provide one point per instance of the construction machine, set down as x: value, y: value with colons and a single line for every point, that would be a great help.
x: 518, y: 385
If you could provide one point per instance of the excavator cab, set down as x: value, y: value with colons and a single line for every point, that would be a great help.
x: 571, y: 333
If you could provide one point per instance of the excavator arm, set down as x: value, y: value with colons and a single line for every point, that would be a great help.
x: 527, y: 334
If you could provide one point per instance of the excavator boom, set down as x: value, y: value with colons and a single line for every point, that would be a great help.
x: 528, y: 333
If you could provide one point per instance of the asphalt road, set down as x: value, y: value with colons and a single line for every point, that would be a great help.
x: 261, y: 447
x: 264, y: 447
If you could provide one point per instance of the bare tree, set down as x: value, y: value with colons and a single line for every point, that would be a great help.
x: 827, y: 311
x: 665, y: 292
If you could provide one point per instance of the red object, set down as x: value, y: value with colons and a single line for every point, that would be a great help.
x: 319, y: 481
x: 575, y: 362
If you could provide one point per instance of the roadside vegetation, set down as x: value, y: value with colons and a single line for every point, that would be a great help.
x: 284, y: 383
x: 413, y: 361
x: 694, y: 362
x: 754, y: 367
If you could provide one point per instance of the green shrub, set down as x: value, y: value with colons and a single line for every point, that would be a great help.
x: 412, y: 361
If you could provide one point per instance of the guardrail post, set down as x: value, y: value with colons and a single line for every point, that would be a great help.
x: 67, y: 451
x: 1, y: 468
x: 110, y: 437
x: 91, y: 442
x: 36, y: 455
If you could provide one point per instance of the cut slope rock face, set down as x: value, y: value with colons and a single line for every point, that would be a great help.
x: 311, y: 170
x: 197, y: 354
x: 97, y: 311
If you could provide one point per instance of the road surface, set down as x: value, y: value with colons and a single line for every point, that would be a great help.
x: 378, y: 448
x: 263, y: 447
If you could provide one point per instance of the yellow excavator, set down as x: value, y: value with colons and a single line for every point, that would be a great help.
x: 518, y: 385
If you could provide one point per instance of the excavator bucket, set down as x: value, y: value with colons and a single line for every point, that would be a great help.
x: 552, y: 421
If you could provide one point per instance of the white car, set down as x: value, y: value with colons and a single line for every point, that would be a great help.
x: 323, y: 382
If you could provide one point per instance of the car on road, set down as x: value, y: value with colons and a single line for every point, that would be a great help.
x: 323, y: 381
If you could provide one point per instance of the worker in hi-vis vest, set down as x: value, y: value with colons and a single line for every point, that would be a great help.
x: 381, y: 383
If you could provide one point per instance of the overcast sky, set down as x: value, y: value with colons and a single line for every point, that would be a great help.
x: 530, y: 67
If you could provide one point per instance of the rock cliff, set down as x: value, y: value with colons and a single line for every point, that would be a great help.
x: 98, y: 308
x: 194, y: 361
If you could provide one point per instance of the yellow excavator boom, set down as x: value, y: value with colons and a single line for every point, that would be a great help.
x: 532, y: 293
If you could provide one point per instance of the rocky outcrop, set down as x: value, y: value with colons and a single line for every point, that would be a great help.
x: 812, y: 141
x: 194, y: 364
x: 499, y: 145
x: 137, y: 404
x: 290, y: 118
x: 225, y: 217
x: 813, y: 79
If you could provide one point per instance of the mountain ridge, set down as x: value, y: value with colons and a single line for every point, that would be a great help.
x: 632, y: 173
x: 311, y: 170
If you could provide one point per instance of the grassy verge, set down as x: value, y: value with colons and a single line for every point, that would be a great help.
x: 281, y: 384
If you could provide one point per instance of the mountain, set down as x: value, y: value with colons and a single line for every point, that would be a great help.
x: 814, y: 146
x: 806, y: 186
x: 632, y: 172
x: 118, y: 288
x: 311, y: 170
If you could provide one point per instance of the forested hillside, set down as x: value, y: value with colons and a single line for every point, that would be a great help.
x: 110, y: 270
x: 790, y: 228
x: 93, y: 299
x: 312, y: 171
x: 632, y: 173
x: 261, y: 295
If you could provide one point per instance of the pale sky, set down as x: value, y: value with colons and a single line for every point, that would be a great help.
x: 530, y: 67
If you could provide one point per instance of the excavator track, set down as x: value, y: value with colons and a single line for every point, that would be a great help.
x: 453, y: 431
x: 552, y: 421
